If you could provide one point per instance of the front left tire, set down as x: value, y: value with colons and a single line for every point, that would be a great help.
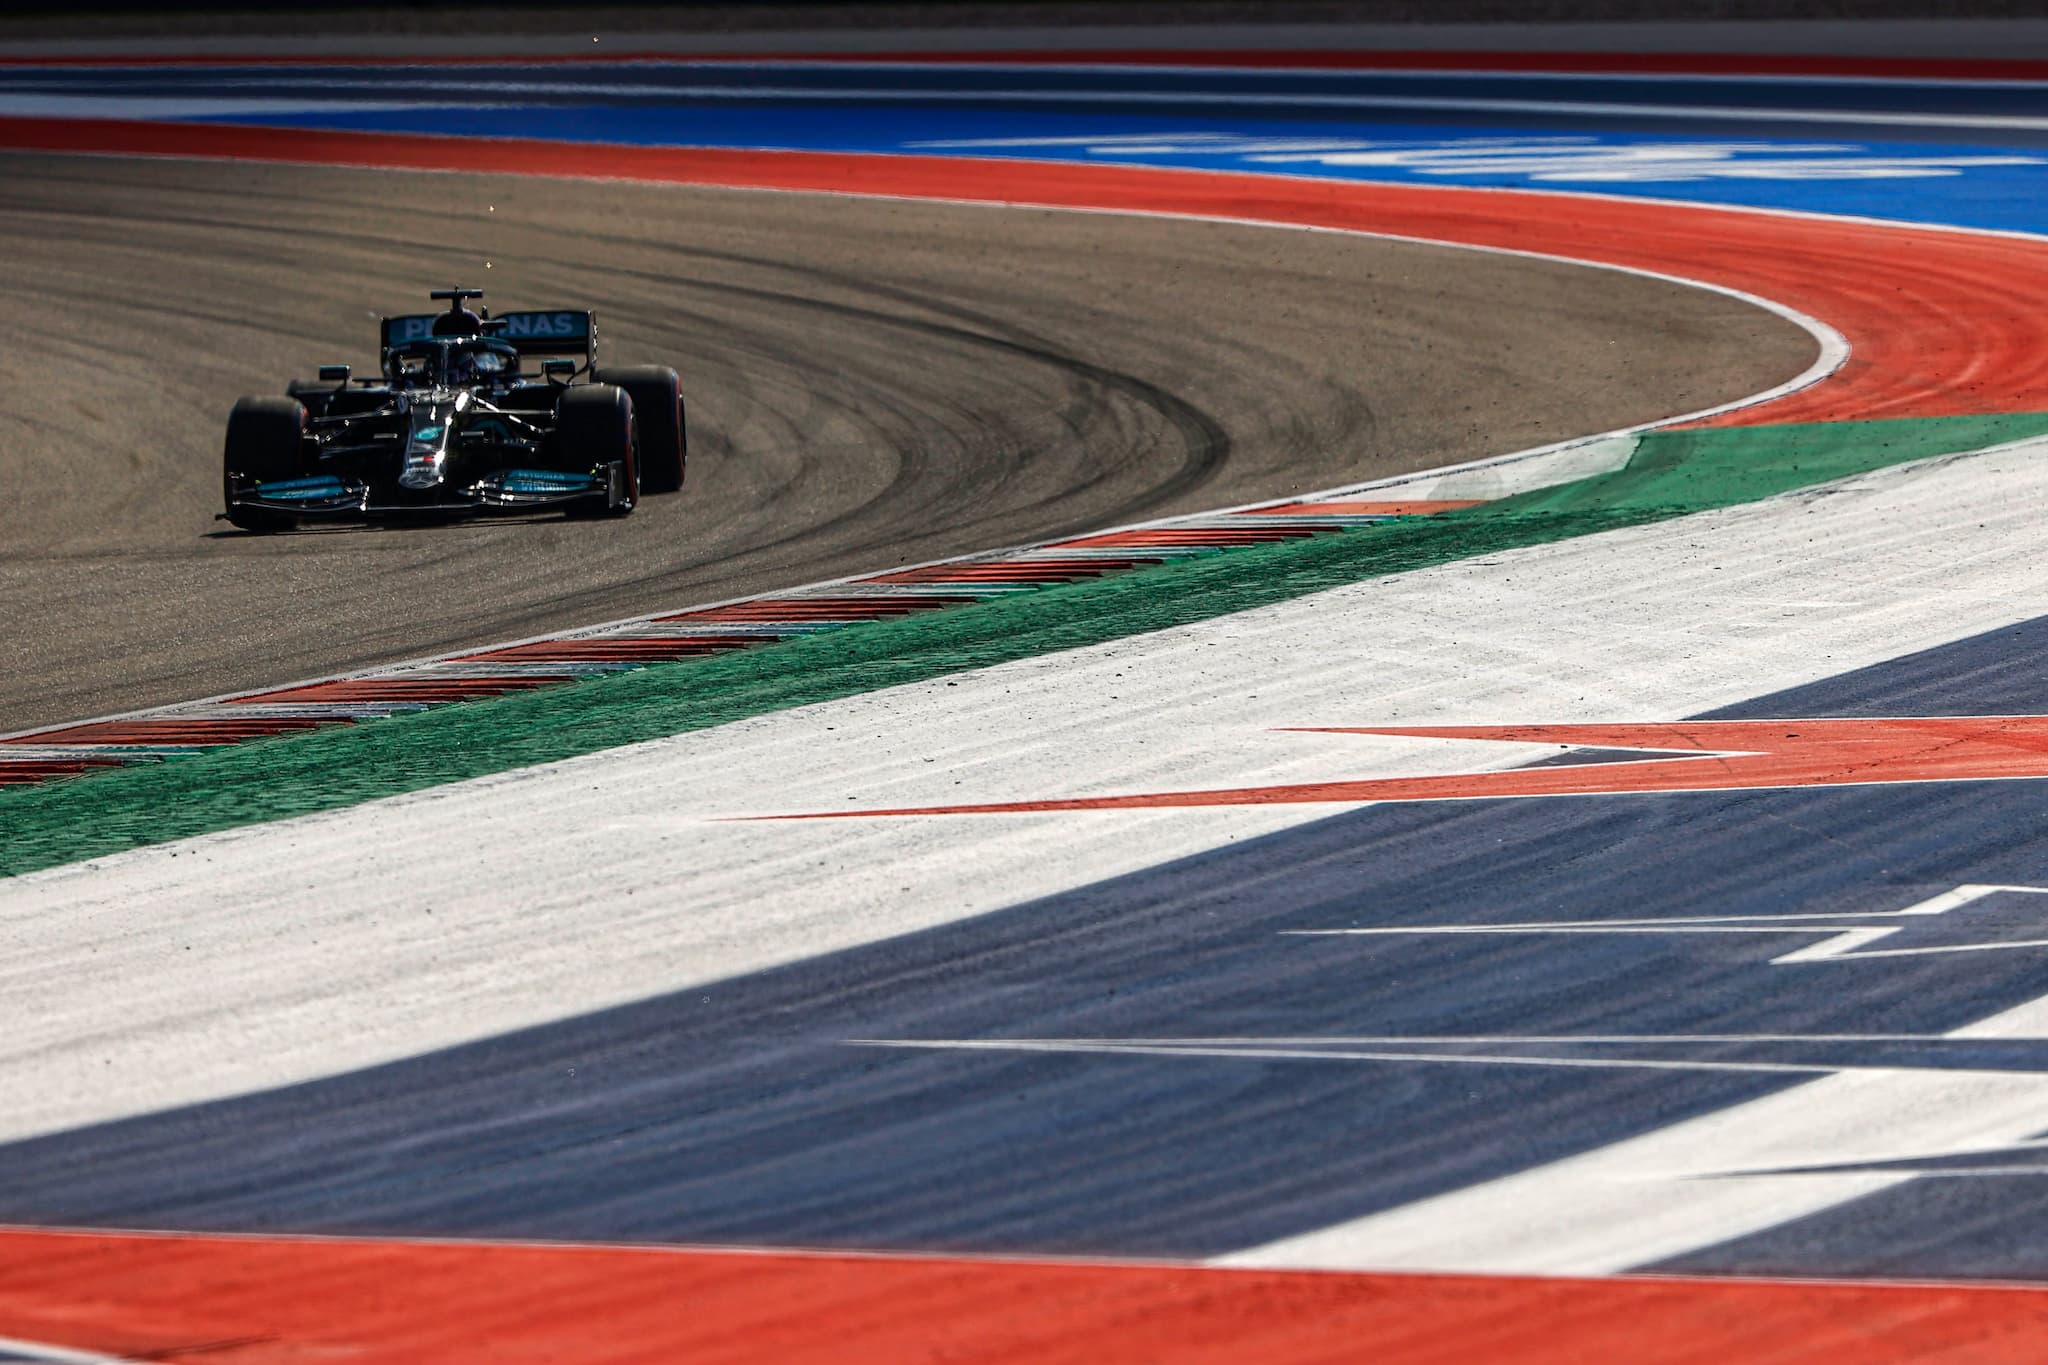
x: 265, y: 442
x: 594, y: 426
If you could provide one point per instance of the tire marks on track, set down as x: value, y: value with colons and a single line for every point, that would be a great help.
x: 903, y: 383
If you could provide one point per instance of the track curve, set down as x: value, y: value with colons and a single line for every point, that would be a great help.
x: 871, y: 382
x: 585, y: 1002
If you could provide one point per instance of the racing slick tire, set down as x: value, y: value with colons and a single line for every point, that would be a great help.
x: 266, y: 439
x: 658, y: 410
x: 594, y: 426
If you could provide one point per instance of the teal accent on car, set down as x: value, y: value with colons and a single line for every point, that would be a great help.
x: 292, y: 490
x: 546, y: 481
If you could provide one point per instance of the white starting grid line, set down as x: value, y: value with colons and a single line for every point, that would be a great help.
x: 1841, y: 942
x: 1862, y: 1110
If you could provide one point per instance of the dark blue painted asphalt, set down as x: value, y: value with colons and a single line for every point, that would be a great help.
x: 742, y: 1113
x: 1960, y: 1218
x: 1765, y: 151
x: 1969, y: 186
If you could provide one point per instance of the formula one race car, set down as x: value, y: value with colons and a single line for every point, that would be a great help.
x: 455, y: 426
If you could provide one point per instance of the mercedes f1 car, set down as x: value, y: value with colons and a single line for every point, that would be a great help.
x: 456, y: 425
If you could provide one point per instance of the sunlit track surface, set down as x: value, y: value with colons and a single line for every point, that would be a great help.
x: 869, y: 385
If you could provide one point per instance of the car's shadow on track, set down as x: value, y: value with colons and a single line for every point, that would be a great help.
x: 496, y: 523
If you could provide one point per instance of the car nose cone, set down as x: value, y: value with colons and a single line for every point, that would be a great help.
x: 426, y: 445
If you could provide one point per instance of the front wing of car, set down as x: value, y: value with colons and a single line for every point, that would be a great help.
x: 332, y: 497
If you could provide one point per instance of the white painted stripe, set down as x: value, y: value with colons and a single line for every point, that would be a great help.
x: 1678, y: 1189
x: 1423, y: 1051
x: 14, y: 1348
x: 133, y: 983
x: 1834, y: 940
x: 1305, y: 1042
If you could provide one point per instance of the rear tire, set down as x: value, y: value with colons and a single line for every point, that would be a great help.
x: 594, y: 426
x: 658, y: 409
x: 266, y: 441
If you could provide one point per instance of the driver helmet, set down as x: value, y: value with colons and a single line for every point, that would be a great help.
x: 458, y: 322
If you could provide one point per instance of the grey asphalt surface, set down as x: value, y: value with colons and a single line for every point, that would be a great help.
x: 1922, y: 28
x: 870, y: 383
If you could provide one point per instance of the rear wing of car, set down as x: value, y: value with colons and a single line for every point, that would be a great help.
x: 556, y: 332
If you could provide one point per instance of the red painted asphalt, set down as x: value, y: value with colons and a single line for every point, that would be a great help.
x: 1940, y: 323
x: 265, y: 1301
x: 1691, y: 756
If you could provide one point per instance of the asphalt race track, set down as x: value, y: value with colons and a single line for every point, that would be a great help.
x: 869, y: 384
x: 1586, y: 906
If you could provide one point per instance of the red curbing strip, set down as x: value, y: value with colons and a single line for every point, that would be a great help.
x: 1954, y: 334
x: 432, y: 690
x: 614, y: 648
x: 1016, y: 577
x: 1023, y: 572
x: 260, y: 1299
x: 1358, y: 509
x: 804, y: 609
x: 176, y: 730
x: 1166, y: 537
x: 362, y: 697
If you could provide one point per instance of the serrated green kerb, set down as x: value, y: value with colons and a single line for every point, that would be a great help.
x: 1672, y: 474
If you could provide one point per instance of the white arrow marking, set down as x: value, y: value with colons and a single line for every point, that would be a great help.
x: 1676, y: 1189
x: 1844, y: 940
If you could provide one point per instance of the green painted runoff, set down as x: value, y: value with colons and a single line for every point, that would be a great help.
x: 1672, y: 473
